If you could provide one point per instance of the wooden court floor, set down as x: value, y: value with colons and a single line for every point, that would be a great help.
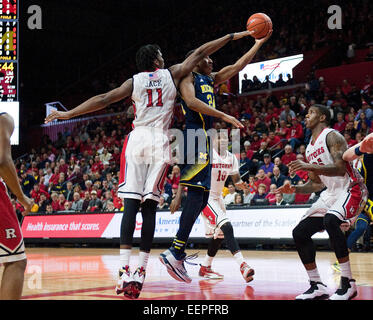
x: 91, y: 274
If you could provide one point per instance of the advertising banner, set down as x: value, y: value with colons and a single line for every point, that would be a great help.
x: 267, y: 223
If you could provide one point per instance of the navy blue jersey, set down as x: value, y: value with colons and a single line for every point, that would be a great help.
x: 198, y: 173
x: 366, y: 171
x: 204, y: 91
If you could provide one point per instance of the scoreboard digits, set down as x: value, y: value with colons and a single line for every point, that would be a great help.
x: 8, y: 51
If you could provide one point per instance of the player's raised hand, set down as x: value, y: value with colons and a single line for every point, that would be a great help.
x: 262, y: 40
x: 286, y: 188
x: 62, y: 115
x: 239, y: 35
x: 233, y: 121
x: 367, y: 144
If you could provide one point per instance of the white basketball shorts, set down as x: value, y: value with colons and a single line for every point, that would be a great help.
x: 345, y: 204
x: 144, y: 164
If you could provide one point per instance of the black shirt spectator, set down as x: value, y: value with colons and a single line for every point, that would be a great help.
x: 257, y: 85
x: 246, y: 84
x: 95, y: 204
x: 280, y: 82
x: 277, y: 178
x: 267, y: 83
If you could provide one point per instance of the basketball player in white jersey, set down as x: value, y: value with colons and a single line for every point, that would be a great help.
x: 12, y: 249
x: 343, y: 198
x: 145, y: 155
x: 217, y: 223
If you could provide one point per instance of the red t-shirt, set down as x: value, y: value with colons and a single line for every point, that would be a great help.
x: 340, y: 126
x: 301, y: 198
x: 288, y: 157
x: 295, y: 132
x: 273, y: 142
x: 266, y: 181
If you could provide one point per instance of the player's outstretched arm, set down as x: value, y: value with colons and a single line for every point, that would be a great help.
x: 7, y: 170
x: 229, y: 71
x: 313, y: 184
x: 365, y: 146
x: 179, y: 71
x: 337, y: 145
x: 188, y: 93
x: 95, y: 103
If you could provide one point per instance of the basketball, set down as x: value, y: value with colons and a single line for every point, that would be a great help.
x: 260, y: 24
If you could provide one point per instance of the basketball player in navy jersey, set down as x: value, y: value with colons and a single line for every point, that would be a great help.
x: 12, y: 249
x: 198, y: 102
x: 153, y: 91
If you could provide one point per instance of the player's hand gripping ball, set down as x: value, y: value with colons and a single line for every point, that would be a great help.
x: 259, y: 24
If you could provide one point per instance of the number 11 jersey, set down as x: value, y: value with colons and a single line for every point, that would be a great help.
x: 153, y: 97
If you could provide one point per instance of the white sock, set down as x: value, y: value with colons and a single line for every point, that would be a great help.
x: 143, y: 259
x: 314, y: 275
x: 125, y: 255
x: 238, y: 257
x: 346, y: 269
x: 208, y: 261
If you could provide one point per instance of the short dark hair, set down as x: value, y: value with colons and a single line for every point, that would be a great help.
x: 323, y: 110
x: 145, y: 57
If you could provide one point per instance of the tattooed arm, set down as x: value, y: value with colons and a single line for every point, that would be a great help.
x: 337, y: 146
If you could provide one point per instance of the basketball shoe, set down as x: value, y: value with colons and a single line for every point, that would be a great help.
x: 347, y: 290
x: 125, y: 279
x: 175, y: 267
x: 208, y: 273
x: 137, y: 282
x: 317, y: 291
x: 247, y: 272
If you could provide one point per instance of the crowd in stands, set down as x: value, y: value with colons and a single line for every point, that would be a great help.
x: 79, y: 171
x: 292, y: 35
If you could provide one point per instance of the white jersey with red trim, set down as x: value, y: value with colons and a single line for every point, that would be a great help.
x: 153, y: 97
x: 318, y: 153
x: 222, y: 167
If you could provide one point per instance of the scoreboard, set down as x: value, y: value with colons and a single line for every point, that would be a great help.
x: 9, y: 26
x: 8, y: 51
